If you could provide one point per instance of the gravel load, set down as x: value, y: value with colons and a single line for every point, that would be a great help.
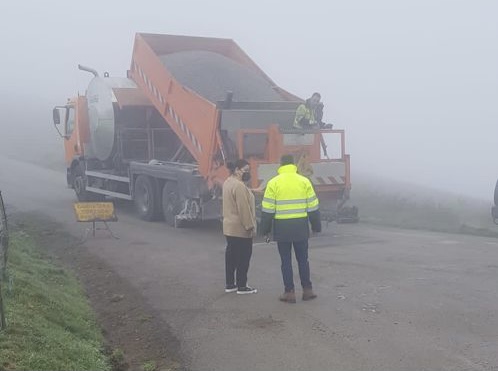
x: 211, y: 75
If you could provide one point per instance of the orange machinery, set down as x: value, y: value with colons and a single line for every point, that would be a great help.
x: 162, y: 135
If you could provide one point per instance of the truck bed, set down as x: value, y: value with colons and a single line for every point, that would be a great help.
x: 184, y: 77
x: 212, y: 75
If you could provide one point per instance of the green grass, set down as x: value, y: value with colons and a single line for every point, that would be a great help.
x: 416, y: 207
x: 50, y: 325
x: 149, y: 366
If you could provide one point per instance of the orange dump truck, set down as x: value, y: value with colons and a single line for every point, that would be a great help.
x: 161, y: 136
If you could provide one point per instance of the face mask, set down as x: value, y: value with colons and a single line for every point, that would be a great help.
x: 246, y: 177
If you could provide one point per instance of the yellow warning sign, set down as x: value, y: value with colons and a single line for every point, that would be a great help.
x: 94, y: 211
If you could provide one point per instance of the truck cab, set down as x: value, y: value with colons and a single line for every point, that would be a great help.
x: 71, y: 122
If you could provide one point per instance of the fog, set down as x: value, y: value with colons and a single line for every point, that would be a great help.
x: 413, y: 83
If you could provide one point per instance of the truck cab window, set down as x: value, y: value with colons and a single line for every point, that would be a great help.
x: 70, y: 121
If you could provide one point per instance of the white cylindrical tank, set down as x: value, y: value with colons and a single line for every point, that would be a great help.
x: 101, y: 115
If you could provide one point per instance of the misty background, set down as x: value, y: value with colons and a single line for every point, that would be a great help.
x: 413, y: 83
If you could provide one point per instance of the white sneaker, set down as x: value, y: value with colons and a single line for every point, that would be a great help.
x: 246, y: 290
x: 230, y: 288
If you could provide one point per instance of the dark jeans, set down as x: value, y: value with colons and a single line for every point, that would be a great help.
x: 237, y: 256
x: 301, y: 251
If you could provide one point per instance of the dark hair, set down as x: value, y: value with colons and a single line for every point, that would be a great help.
x: 287, y: 160
x: 239, y: 164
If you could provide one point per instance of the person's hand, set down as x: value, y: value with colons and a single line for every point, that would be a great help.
x: 267, y: 238
x: 259, y: 189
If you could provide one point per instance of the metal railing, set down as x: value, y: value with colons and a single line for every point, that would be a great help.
x: 4, y: 247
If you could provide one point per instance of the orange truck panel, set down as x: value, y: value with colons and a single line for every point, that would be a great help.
x: 197, y: 127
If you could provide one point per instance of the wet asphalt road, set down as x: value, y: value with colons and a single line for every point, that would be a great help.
x: 388, y: 299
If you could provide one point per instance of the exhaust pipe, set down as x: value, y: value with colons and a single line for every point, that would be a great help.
x: 88, y: 69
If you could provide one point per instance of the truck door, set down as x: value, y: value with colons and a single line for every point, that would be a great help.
x: 71, y: 141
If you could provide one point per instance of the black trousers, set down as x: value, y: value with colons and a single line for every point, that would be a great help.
x: 237, y: 256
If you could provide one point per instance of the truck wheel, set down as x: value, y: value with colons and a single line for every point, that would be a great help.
x: 172, y: 203
x: 146, y: 198
x: 496, y: 193
x: 79, y: 186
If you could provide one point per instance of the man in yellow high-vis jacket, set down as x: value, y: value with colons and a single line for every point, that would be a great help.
x: 309, y: 114
x: 289, y: 205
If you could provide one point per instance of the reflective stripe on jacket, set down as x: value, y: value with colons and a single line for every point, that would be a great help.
x: 289, y: 206
x: 289, y: 195
x: 304, y: 115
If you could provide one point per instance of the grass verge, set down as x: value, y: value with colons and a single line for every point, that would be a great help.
x: 416, y: 207
x: 50, y: 325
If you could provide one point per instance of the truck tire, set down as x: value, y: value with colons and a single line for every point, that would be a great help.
x: 146, y: 198
x: 496, y: 193
x: 79, y: 186
x: 173, y: 203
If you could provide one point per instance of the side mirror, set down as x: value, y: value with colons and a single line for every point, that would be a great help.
x: 56, y: 115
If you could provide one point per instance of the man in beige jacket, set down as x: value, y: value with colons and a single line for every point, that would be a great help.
x: 239, y: 227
